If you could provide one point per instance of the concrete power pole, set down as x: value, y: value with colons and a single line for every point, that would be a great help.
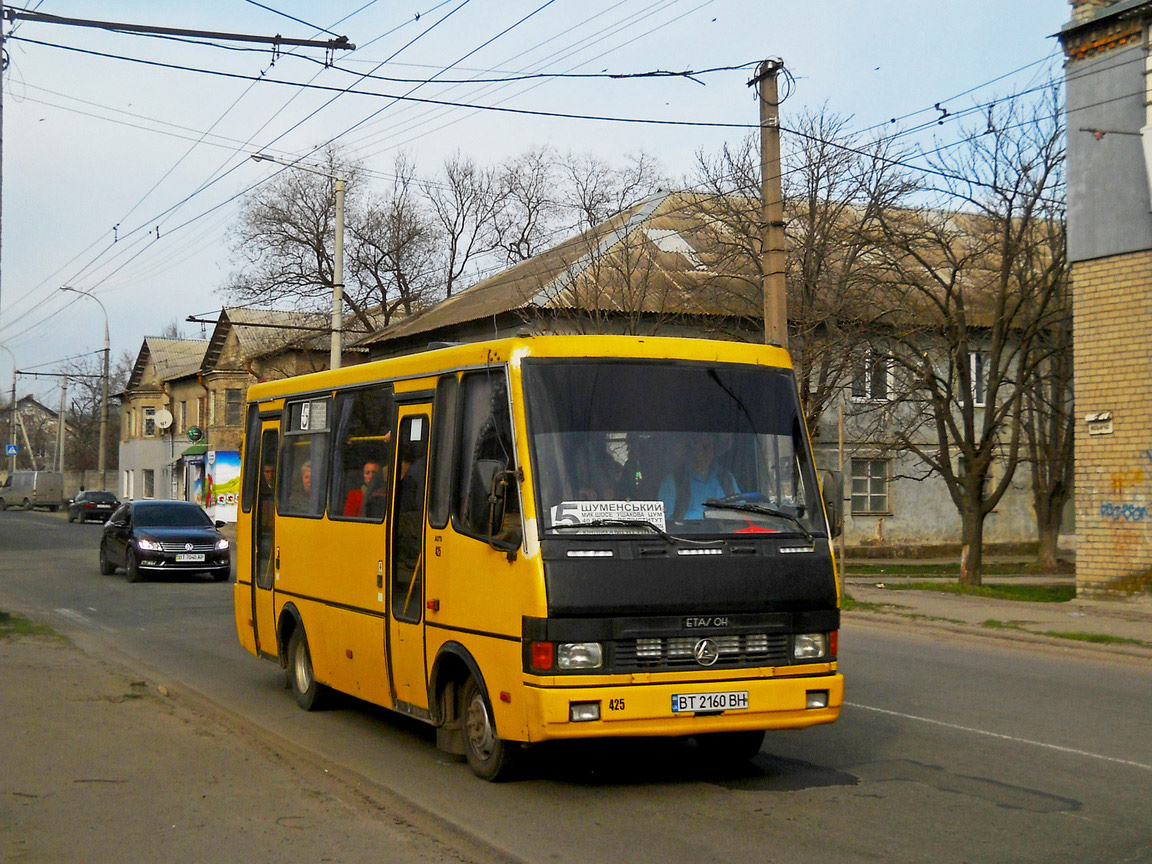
x: 772, y: 237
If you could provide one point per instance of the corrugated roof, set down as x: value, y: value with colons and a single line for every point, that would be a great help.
x: 653, y: 257
x: 171, y: 358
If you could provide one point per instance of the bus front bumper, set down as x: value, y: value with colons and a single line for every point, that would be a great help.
x: 684, y: 707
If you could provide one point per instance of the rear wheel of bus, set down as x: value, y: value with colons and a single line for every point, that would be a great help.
x: 309, y: 694
x: 489, y: 756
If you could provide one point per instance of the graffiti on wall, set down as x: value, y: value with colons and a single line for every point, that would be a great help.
x: 1127, y: 483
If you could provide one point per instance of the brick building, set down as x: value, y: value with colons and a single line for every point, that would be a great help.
x: 1109, y: 111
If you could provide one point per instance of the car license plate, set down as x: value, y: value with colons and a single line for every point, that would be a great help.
x: 189, y: 557
x: 732, y: 700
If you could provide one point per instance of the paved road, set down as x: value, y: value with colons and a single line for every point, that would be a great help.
x: 950, y: 748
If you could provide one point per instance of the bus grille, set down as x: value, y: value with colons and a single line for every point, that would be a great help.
x: 736, y: 652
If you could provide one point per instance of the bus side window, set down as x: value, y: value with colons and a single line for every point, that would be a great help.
x: 303, y: 476
x: 485, y: 456
x: 443, y: 456
x: 359, y: 488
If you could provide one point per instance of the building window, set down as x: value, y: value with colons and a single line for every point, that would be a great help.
x: 149, y: 424
x: 182, y: 418
x: 870, y: 487
x: 149, y: 483
x: 870, y: 373
x: 233, y: 405
x: 978, y: 375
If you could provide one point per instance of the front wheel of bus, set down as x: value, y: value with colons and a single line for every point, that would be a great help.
x: 489, y: 757
x: 308, y: 693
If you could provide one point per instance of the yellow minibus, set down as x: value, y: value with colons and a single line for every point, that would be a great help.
x: 546, y: 538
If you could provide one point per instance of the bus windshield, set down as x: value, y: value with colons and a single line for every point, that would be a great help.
x: 675, y: 448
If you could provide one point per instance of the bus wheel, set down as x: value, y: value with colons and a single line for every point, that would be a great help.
x: 27, y: 504
x: 131, y: 567
x: 730, y: 747
x: 308, y: 693
x: 489, y: 757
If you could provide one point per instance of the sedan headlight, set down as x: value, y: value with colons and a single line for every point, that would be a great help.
x: 222, y: 543
x: 809, y: 646
x: 148, y: 545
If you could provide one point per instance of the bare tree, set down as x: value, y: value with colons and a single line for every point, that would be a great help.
x: 594, y: 189
x: 284, y: 238
x: 392, y: 256
x: 464, y: 204
x: 528, y: 213
x: 966, y: 273
x: 836, y: 186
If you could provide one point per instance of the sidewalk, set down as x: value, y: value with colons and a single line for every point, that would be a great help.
x: 102, y: 765
x: 1121, y: 626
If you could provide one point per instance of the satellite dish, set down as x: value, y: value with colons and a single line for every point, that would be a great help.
x: 163, y: 418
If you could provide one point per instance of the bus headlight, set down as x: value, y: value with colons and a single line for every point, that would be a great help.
x: 809, y: 646
x: 579, y: 655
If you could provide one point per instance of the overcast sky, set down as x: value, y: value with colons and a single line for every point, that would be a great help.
x: 123, y: 178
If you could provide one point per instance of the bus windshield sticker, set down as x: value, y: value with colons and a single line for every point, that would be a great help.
x: 319, y: 414
x: 591, y: 512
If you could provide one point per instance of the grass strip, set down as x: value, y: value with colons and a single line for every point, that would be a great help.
x: 1074, y: 635
x: 15, y: 626
x: 1021, y: 593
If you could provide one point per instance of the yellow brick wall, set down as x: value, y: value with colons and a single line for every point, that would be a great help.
x: 1113, y: 344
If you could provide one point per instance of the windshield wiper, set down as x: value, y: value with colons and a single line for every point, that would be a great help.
x: 633, y: 523
x: 761, y: 509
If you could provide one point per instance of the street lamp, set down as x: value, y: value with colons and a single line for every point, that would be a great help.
x: 337, y: 255
x: 103, y: 386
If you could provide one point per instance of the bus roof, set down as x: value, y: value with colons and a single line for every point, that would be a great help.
x: 441, y: 358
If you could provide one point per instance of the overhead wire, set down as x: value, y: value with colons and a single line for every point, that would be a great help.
x: 473, y: 107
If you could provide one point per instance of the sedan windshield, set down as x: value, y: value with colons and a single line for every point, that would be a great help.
x: 167, y: 516
x: 649, y: 447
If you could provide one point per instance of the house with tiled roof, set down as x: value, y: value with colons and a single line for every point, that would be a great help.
x: 665, y: 267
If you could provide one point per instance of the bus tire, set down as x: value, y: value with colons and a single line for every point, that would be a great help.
x: 489, y: 757
x: 309, y: 694
x: 131, y: 567
x: 730, y: 747
x: 106, y: 567
x: 27, y: 504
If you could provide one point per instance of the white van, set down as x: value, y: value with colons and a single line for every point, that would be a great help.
x: 30, y: 489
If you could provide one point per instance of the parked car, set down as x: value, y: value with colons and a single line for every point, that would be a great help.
x: 163, y: 537
x: 91, y: 504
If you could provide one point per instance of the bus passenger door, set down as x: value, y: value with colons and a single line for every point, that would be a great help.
x: 264, y: 559
x: 406, y: 581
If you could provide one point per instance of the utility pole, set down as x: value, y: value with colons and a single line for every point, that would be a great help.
x: 772, y: 238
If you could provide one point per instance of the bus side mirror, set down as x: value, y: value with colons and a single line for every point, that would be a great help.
x: 832, y: 491
x: 503, y: 527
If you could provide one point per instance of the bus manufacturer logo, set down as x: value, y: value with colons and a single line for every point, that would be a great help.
x: 706, y: 652
x: 695, y: 622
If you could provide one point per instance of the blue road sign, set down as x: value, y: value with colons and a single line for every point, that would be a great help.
x: 11, y: 450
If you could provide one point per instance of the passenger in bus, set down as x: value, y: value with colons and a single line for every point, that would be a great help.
x: 356, y: 504
x: 698, y: 480
x: 300, y: 499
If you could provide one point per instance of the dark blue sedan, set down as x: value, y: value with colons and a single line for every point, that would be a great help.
x: 163, y: 537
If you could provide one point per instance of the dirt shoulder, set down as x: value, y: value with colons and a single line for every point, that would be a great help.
x: 101, y: 765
